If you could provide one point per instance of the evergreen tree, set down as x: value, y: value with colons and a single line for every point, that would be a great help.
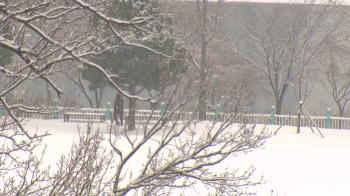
x: 137, y: 66
x: 5, y: 54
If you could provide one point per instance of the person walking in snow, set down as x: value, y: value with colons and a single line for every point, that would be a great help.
x: 118, y: 108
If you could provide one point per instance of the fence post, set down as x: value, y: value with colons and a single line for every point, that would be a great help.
x: 328, y: 120
x: 55, y: 109
x: 162, y: 107
x: 217, y: 112
x: 273, y: 119
x: 108, y: 111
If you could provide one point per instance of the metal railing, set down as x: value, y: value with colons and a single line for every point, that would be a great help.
x: 144, y: 115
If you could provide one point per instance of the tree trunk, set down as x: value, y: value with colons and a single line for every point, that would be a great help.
x: 202, y: 106
x: 279, y: 106
x: 299, y: 118
x: 48, y: 101
x: 132, y: 104
x: 341, y: 113
x: 82, y: 89
x: 89, y: 99
x: 300, y: 101
x: 213, y: 103
x: 98, y: 96
x: 203, y: 64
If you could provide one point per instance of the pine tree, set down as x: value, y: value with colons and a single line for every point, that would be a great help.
x: 137, y: 66
x: 5, y: 54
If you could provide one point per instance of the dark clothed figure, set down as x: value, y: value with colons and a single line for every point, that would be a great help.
x: 118, y: 108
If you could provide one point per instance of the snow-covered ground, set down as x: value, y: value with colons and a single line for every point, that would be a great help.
x: 292, y: 164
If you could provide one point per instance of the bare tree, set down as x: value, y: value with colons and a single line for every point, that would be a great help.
x: 85, y: 171
x: 82, y: 172
x: 229, y: 78
x: 198, y: 24
x: 323, y: 24
x: 180, y: 151
x: 335, y: 76
x: 283, y: 43
x: 73, y: 73
x: 45, y: 35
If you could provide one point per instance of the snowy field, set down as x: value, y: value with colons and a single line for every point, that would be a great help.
x: 292, y: 164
